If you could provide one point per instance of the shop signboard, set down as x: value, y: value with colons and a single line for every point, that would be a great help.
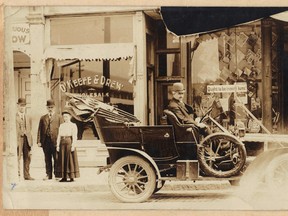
x: 238, y: 87
x: 96, y: 80
x: 20, y: 34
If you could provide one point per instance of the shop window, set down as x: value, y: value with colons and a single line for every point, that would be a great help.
x: 226, y: 67
x: 91, y: 30
x: 169, y: 64
x: 106, y: 81
x: 168, y: 70
x: 168, y: 54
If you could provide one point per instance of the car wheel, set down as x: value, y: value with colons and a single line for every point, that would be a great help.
x: 132, y: 179
x: 221, y: 155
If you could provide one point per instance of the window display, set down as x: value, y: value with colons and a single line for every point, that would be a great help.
x: 91, y: 78
x: 226, y: 72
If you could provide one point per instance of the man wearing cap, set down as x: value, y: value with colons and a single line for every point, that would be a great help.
x: 47, y: 137
x: 183, y: 111
x: 24, y: 138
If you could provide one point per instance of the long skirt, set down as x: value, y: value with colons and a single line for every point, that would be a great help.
x: 67, y: 161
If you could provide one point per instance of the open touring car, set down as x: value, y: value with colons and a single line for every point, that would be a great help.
x: 142, y: 158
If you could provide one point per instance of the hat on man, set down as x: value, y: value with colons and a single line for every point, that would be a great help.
x: 178, y: 87
x: 50, y: 103
x: 21, y: 101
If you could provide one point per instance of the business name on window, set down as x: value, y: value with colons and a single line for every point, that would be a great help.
x: 86, y: 81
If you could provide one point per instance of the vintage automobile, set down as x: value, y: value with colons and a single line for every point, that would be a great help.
x: 142, y: 158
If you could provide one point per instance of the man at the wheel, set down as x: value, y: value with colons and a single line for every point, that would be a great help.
x: 183, y: 111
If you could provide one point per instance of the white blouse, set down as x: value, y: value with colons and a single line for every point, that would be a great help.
x: 67, y: 129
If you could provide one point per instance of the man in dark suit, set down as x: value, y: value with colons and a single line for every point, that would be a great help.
x: 183, y: 111
x: 24, y: 138
x: 47, y: 137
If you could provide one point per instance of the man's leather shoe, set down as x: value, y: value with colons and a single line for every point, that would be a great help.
x: 47, y: 178
x: 29, y: 178
x: 63, y: 180
x: 71, y: 180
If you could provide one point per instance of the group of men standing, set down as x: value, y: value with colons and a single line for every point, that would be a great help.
x: 46, y: 138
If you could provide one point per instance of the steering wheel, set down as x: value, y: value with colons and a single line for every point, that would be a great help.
x: 206, y: 114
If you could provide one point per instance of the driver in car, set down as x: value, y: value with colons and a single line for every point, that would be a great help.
x: 183, y: 111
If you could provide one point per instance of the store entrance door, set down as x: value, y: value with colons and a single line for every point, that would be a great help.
x: 22, y: 81
x: 24, y: 84
x: 164, y: 95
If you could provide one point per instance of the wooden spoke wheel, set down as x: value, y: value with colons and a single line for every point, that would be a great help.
x: 221, y: 155
x: 132, y: 179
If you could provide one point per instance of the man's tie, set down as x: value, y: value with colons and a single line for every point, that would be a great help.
x: 48, y: 128
x: 23, y: 123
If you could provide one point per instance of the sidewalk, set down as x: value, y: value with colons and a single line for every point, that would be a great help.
x: 90, y: 181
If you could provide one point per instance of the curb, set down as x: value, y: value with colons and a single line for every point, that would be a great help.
x: 55, y: 186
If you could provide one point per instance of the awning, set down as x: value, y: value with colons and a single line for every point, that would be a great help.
x: 194, y: 20
x: 91, y: 52
x: 281, y: 16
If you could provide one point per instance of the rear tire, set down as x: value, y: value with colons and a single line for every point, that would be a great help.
x: 221, y: 155
x: 132, y: 179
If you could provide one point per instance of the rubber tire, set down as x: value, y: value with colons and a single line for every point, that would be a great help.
x: 148, y: 188
x: 208, y: 170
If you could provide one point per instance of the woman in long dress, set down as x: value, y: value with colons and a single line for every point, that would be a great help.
x: 67, y: 162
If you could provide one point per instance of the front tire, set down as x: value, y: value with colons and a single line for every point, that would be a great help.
x: 221, y: 155
x: 132, y: 179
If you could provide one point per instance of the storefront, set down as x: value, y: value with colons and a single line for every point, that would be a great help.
x: 243, y: 62
x: 98, y: 51
x: 126, y: 57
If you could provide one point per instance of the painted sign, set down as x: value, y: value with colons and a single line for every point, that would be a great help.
x: 238, y: 87
x: 86, y: 81
x: 20, y: 34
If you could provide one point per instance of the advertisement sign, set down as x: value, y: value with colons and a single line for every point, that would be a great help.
x: 238, y: 87
x: 20, y: 34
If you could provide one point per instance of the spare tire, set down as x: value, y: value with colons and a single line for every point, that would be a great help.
x: 221, y: 155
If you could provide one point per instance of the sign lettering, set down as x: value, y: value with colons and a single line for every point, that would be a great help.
x: 96, y: 80
x: 20, y: 34
x: 239, y: 87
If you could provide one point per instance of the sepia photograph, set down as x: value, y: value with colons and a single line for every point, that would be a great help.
x: 118, y: 107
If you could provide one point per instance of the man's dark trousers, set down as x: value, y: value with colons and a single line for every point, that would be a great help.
x: 49, y: 150
x: 26, y: 157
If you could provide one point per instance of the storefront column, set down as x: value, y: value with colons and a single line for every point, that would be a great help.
x: 140, y: 88
x: 10, y: 161
x: 39, y: 77
x: 267, y: 73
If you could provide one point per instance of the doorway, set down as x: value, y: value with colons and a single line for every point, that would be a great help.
x: 22, y: 77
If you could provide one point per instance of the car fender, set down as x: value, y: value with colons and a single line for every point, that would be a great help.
x: 223, y: 134
x: 144, y: 154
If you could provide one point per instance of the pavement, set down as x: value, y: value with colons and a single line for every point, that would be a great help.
x: 90, y: 181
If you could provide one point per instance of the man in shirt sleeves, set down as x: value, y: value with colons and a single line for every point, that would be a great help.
x: 47, y: 137
x: 24, y: 138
